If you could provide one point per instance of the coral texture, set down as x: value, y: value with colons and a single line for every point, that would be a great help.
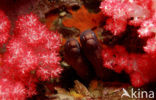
x: 141, y: 15
x: 32, y: 54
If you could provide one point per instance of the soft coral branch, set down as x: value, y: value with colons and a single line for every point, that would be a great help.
x: 32, y: 53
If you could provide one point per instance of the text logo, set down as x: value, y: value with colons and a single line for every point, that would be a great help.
x: 137, y: 94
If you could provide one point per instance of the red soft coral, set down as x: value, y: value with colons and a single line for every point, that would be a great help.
x: 4, y: 27
x: 10, y: 90
x: 133, y: 12
x: 19, y: 56
x: 31, y: 54
x: 49, y: 65
x: 141, y: 14
x: 138, y: 66
x: 151, y: 46
x: 44, y: 44
x: 30, y: 29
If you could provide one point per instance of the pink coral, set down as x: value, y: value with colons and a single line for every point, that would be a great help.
x: 31, y: 54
